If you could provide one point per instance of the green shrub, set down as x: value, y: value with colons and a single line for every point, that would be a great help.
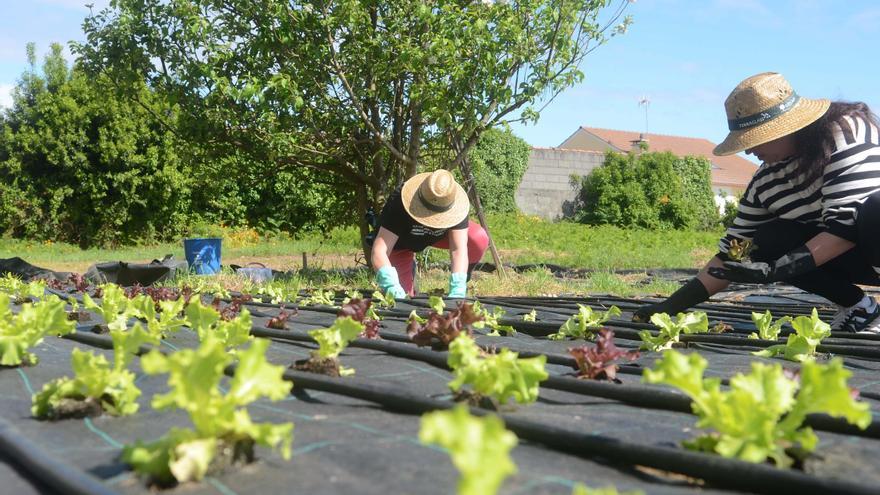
x: 651, y: 190
x: 81, y: 165
x: 499, y: 161
x: 730, y: 210
x: 87, y: 162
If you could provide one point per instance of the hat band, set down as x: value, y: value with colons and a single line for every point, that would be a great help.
x: 769, y: 114
x: 432, y: 206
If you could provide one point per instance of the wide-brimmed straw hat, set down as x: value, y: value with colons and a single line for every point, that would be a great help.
x: 763, y: 108
x: 435, y: 200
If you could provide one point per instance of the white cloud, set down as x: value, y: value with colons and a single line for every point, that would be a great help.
x: 6, y: 95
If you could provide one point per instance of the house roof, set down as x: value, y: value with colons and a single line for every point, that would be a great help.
x: 732, y: 171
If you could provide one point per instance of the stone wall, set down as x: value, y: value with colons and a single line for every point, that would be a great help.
x: 546, y: 189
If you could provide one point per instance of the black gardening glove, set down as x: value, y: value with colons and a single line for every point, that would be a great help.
x: 690, y: 294
x: 796, y: 262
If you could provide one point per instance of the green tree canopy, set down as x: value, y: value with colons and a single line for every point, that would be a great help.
x: 360, y: 89
x: 499, y: 159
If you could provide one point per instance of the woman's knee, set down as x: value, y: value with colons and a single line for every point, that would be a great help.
x: 868, y: 218
x: 478, y: 241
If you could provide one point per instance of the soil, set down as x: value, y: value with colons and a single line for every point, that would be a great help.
x: 321, y: 366
x: 78, y: 316
x: 231, y: 455
x: 77, y: 408
x: 100, y: 329
x: 474, y: 399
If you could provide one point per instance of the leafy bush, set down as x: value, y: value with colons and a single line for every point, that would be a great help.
x: 86, y: 161
x: 499, y: 160
x: 651, y: 190
x: 81, y: 164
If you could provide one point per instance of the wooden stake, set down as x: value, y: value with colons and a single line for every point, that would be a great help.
x: 478, y: 206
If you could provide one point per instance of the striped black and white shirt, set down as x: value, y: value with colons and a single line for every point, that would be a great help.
x: 830, y: 202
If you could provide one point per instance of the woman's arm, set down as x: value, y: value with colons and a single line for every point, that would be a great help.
x: 826, y: 246
x: 382, y: 246
x: 458, y: 253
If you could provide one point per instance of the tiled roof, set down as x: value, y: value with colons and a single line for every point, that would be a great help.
x: 732, y: 171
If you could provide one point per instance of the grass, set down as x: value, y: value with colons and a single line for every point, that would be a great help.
x: 520, y: 239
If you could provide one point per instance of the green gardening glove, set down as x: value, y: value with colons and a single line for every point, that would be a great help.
x: 458, y: 286
x: 386, y: 278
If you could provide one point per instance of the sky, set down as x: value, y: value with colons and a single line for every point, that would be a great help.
x: 684, y: 56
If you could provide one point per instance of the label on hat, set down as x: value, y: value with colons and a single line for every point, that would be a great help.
x: 764, y: 116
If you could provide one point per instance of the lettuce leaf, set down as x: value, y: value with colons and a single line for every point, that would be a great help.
x: 479, y: 447
x: 762, y: 413
x: 500, y: 376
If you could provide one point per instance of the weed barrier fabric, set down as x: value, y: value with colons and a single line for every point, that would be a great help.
x: 359, y: 434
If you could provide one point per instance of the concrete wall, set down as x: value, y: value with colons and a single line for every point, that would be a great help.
x: 545, y: 189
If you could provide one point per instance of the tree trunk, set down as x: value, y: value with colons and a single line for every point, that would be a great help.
x: 363, y: 202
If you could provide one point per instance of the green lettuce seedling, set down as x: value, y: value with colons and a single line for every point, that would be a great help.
x: 499, y: 376
x: 22, y: 291
x: 386, y: 300
x: 530, y: 316
x: 331, y: 342
x: 221, y: 423
x: 25, y: 329
x: 583, y: 324
x: 95, y: 381
x: 437, y: 304
x: 766, y: 329
x: 669, y: 329
x: 763, y: 412
x: 479, y: 447
x: 206, y: 322
x: 168, y: 319
x: 490, y: 320
x: 115, y: 308
x: 279, y: 292
x: 801, y: 345
x: 319, y: 298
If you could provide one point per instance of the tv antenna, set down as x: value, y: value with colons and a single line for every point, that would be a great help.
x: 646, y: 102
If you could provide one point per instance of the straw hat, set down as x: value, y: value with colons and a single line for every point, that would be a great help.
x: 435, y: 200
x: 763, y: 108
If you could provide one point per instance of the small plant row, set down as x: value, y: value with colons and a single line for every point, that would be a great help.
x: 21, y: 331
x: 222, y: 432
x: 97, y: 386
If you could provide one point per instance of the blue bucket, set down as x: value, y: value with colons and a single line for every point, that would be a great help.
x: 203, y: 255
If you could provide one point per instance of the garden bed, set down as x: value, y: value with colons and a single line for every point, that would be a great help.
x: 359, y: 434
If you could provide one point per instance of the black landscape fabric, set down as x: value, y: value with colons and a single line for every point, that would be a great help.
x: 348, y: 445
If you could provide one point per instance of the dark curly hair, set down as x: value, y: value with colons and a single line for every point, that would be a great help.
x: 816, y: 141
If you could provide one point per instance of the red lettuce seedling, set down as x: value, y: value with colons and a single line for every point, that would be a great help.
x: 438, y: 330
x: 597, y: 362
x: 231, y: 310
x: 79, y: 282
x: 53, y: 283
x: 279, y: 322
x: 360, y: 310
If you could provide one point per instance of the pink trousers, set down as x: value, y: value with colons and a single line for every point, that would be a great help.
x: 402, y: 259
